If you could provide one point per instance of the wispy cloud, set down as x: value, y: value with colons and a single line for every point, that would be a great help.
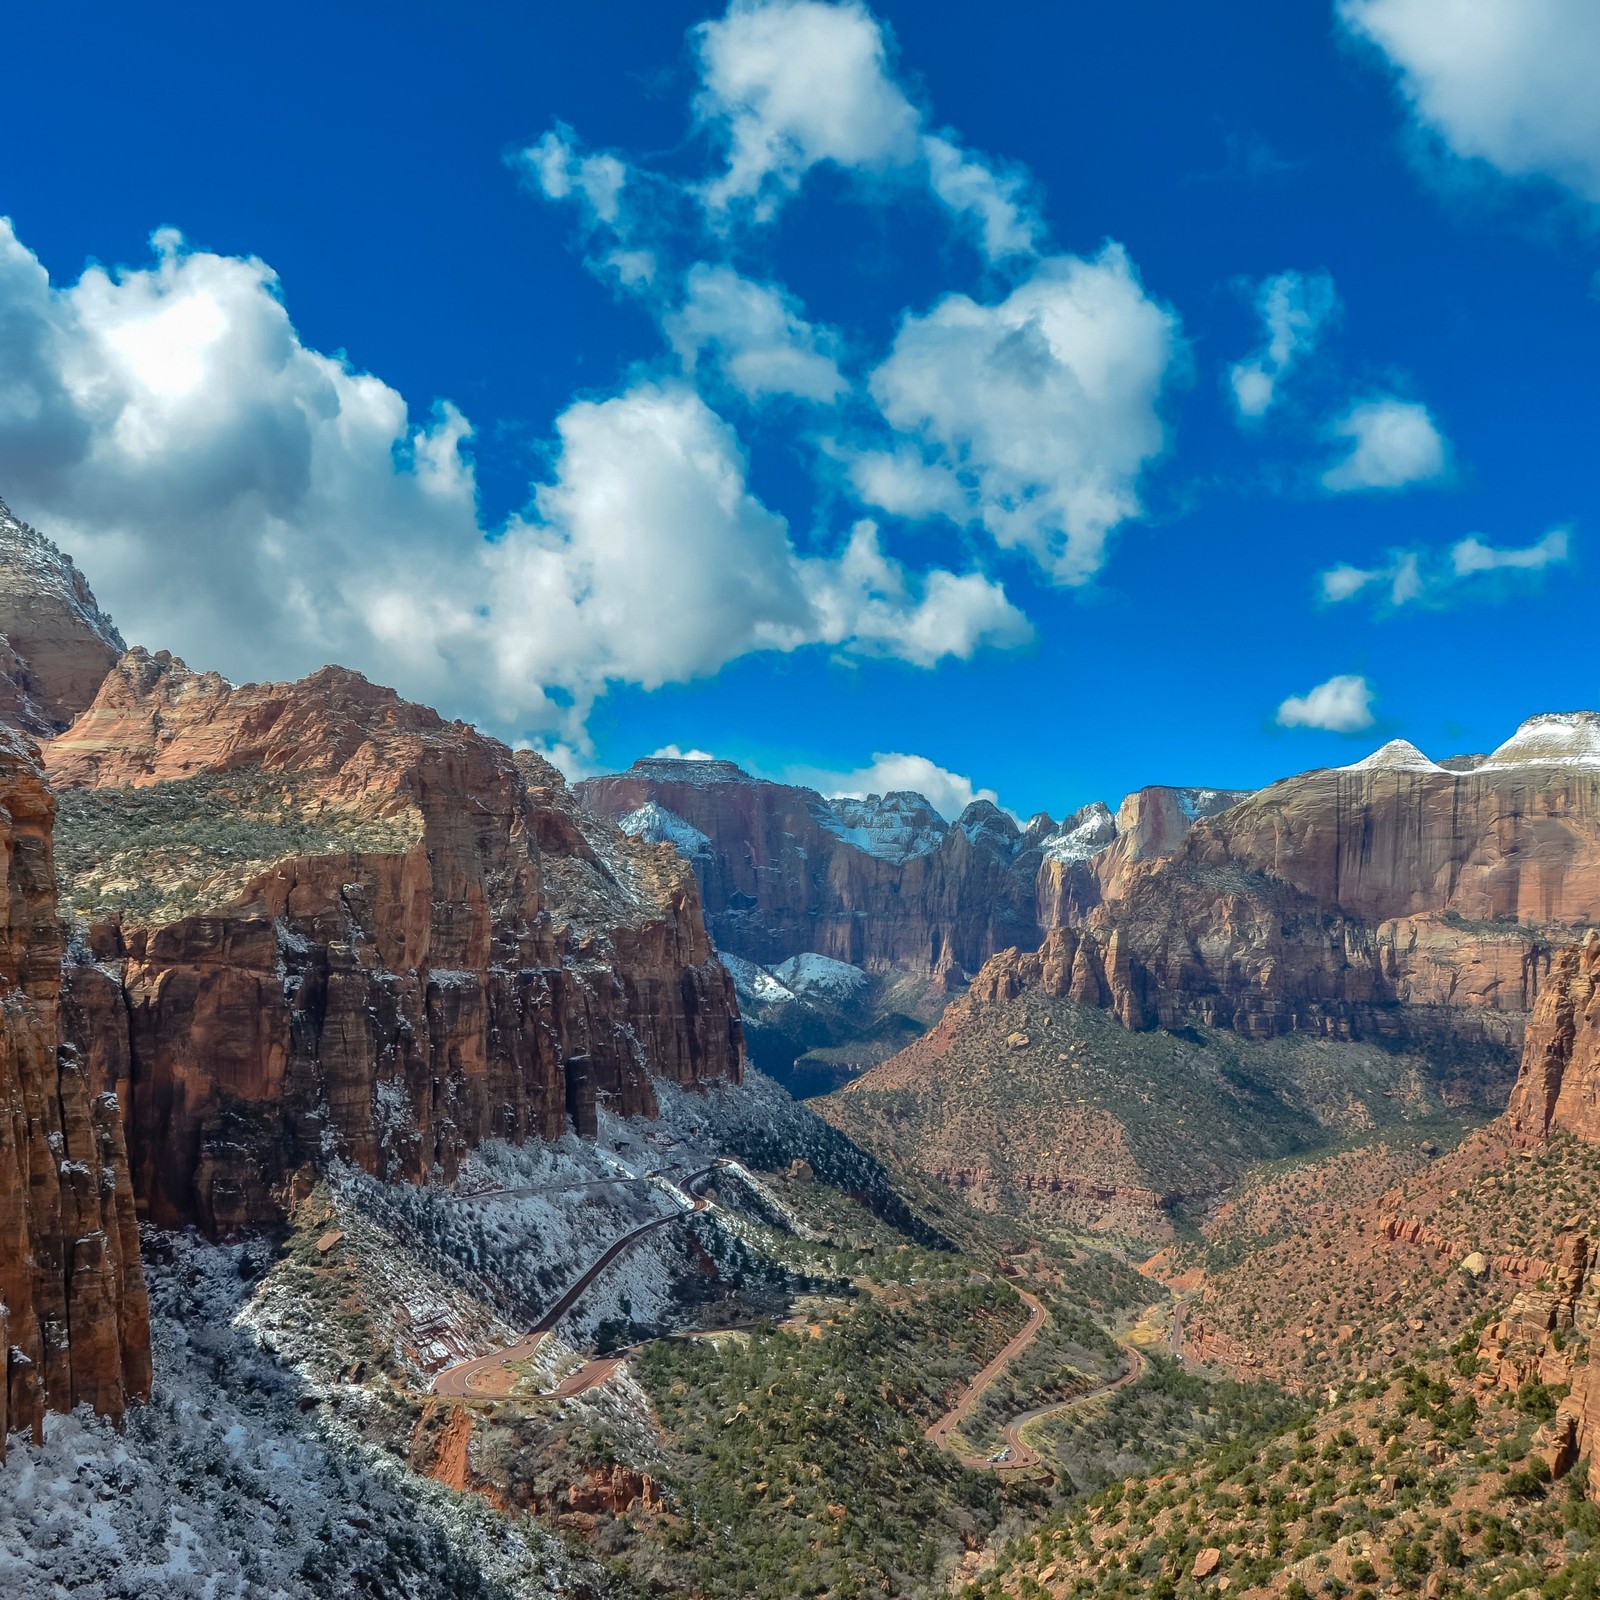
x: 1293, y: 308
x: 1439, y: 578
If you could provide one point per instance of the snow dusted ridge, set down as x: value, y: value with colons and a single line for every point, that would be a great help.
x: 893, y: 827
x: 1399, y: 755
x: 754, y: 985
x: 1554, y: 739
x: 809, y: 974
x: 656, y: 825
x: 31, y: 559
x: 1558, y: 738
x: 1086, y: 834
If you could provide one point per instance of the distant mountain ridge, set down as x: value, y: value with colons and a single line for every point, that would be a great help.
x: 883, y: 882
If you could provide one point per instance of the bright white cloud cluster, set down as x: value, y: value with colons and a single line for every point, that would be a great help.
x: 1414, y: 575
x: 1392, y: 443
x: 787, y: 85
x: 1035, y: 415
x: 1509, y: 82
x: 1293, y: 308
x: 263, y: 508
x: 755, y: 334
x: 949, y: 793
x: 1341, y: 705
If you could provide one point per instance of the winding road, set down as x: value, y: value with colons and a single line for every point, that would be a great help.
x: 1019, y: 1454
x: 479, y: 1377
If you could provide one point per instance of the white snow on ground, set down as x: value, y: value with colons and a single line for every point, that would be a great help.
x: 233, y: 1484
x: 809, y: 974
x: 656, y: 825
x: 1085, y: 835
x: 268, y: 1466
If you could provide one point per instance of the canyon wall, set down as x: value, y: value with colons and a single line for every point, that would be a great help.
x: 1558, y: 1089
x: 317, y: 920
x: 1327, y: 900
x: 880, y: 883
x: 74, y: 1320
x: 884, y: 882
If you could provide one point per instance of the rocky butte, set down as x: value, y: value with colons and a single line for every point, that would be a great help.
x: 317, y: 919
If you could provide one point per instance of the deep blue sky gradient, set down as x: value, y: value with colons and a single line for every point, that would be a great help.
x: 360, y: 150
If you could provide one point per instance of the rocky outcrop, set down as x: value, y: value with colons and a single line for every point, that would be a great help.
x: 1090, y: 858
x: 338, y: 925
x: 74, y: 1320
x: 879, y: 883
x: 1558, y: 1089
x: 58, y: 643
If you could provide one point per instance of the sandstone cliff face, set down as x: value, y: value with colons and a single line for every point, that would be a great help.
x: 58, y: 644
x: 879, y: 884
x: 450, y: 949
x: 1558, y: 1090
x: 1393, y: 882
x: 74, y: 1320
x: 1090, y: 859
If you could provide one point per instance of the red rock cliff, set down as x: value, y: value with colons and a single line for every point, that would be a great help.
x: 1558, y: 1090
x: 1392, y: 882
x: 424, y: 943
x: 58, y: 644
x: 74, y: 1320
x: 880, y: 883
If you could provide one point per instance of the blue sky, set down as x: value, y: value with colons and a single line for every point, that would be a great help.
x: 1063, y: 400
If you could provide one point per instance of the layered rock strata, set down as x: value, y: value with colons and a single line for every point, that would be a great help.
x: 340, y: 926
x: 1329, y: 896
x: 884, y: 882
x: 879, y: 883
x: 74, y: 1320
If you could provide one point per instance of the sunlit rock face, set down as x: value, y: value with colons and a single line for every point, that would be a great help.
x: 318, y: 919
x: 1394, y: 881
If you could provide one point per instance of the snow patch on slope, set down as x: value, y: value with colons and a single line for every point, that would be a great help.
x: 1086, y: 834
x: 809, y: 974
x: 754, y: 984
x: 1399, y: 755
x: 893, y: 827
x: 1558, y: 739
x: 656, y: 825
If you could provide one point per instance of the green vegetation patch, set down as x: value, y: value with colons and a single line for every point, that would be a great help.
x: 799, y: 1460
x: 153, y: 855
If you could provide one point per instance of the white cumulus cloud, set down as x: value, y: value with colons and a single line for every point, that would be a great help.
x: 1509, y: 82
x: 1293, y: 308
x: 1039, y: 412
x: 672, y: 752
x: 789, y: 84
x: 1392, y: 443
x: 1472, y: 555
x: 755, y: 334
x: 949, y: 793
x: 262, y: 508
x: 1341, y: 705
